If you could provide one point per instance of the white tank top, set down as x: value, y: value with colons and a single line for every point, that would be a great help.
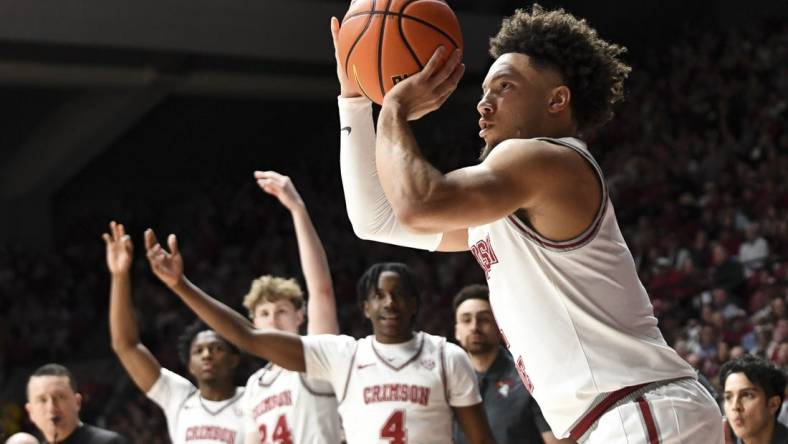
x: 288, y: 408
x: 574, y: 313
x: 397, y: 405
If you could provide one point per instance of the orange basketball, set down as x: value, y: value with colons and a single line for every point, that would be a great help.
x: 384, y: 41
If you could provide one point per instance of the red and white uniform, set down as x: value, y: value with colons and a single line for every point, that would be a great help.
x: 193, y: 420
x: 394, y: 393
x: 575, y: 315
x: 285, y: 407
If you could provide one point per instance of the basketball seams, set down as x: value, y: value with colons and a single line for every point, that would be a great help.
x: 405, y: 40
x: 358, y: 38
x: 384, y: 20
x: 410, y: 17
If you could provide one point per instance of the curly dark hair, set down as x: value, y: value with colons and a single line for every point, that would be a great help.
x: 187, y: 337
x: 589, y: 65
x: 770, y: 378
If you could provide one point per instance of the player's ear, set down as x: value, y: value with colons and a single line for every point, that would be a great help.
x: 560, y: 96
x: 366, y: 309
x: 78, y: 399
x: 301, y: 314
x: 773, y: 404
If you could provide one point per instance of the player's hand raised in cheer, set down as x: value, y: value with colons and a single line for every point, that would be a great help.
x: 167, y: 266
x: 120, y: 250
x: 280, y: 187
x: 426, y: 91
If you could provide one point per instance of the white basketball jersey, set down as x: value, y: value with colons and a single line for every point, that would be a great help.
x: 194, y: 420
x: 397, y: 405
x: 288, y: 408
x: 574, y: 313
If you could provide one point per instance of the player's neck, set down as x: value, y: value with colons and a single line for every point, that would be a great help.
x: 483, y: 361
x: 217, y: 392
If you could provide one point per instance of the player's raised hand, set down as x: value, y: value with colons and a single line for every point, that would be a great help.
x: 281, y: 187
x: 120, y: 250
x: 167, y: 266
x: 346, y: 86
x: 427, y: 90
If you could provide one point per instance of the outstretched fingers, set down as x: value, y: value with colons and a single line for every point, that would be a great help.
x: 172, y: 242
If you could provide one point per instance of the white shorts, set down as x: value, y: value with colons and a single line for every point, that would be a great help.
x: 678, y: 412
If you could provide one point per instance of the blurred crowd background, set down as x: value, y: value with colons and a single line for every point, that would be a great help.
x: 696, y: 163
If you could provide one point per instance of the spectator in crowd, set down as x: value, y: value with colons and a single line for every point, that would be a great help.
x: 753, y: 395
x: 754, y: 250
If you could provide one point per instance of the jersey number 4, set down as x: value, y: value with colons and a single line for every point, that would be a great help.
x: 394, y: 428
x: 281, y: 433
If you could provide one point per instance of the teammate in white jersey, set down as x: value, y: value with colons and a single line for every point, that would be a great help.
x: 208, y: 413
x: 285, y: 406
x: 394, y: 387
x: 536, y: 214
x: 281, y: 406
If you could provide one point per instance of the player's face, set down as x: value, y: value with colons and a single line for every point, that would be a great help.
x: 748, y: 411
x: 53, y: 405
x: 390, y: 310
x: 211, y: 360
x: 515, y: 99
x: 475, y: 327
x: 280, y: 315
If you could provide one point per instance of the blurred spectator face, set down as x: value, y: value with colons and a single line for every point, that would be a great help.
x: 476, y: 329
x: 707, y: 335
x: 737, y: 352
x: 718, y: 254
x: 778, y: 307
x: 53, y: 405
x: 748, y: 411
x: 751, y: 232
x: 720, y: 297
x: 782, y: 354
x: 280, y: 315
x: 211, y: 360
x: 694, y: 360
x: 723, y: 351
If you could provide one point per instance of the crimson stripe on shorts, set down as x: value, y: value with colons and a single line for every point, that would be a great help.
x: 651, y: 426
x: 603, y: 406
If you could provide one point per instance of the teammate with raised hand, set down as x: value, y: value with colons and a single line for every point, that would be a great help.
x: 406, y: 385
x: 212, y: 408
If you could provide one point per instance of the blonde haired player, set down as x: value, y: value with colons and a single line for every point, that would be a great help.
x: 285, y: 406
x: 536, y: 215
x: 281, y: 406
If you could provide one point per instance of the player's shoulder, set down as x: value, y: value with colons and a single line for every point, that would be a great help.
x: 170, y: 380
x: 336, y: 342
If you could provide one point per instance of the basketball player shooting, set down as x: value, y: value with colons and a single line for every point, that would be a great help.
x: 536, y: 215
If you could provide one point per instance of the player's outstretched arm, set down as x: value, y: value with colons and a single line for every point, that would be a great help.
x: 321, y: 303
x: 368, y: 209
x: 474, y: 424
x: 139, y: 362
x: 283, y: 349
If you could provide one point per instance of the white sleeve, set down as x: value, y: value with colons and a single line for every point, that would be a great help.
x: 328, y: 357
x: 463, y: 387
x: 367, y: 207
x: 169, y: 392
